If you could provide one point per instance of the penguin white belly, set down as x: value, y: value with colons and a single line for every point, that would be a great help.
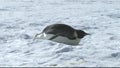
x: 60, y: 39
x: 65, y: 40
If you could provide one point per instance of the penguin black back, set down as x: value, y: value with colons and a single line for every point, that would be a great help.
x: 61, y: 30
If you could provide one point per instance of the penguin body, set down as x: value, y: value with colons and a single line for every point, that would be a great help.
x: 62, y: 33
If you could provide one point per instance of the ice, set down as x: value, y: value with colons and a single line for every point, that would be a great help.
x: 21, y: 20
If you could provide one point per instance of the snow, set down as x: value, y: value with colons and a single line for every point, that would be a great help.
x: 20, y: 20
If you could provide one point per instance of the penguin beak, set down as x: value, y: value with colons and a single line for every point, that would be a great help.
x: 88, y: 34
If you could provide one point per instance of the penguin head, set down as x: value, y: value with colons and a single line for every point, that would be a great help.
x: 81, y: 33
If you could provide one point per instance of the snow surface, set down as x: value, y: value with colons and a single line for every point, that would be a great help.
x: 20, y: 20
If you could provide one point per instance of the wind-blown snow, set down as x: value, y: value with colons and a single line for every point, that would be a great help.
x: 20, y: 20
